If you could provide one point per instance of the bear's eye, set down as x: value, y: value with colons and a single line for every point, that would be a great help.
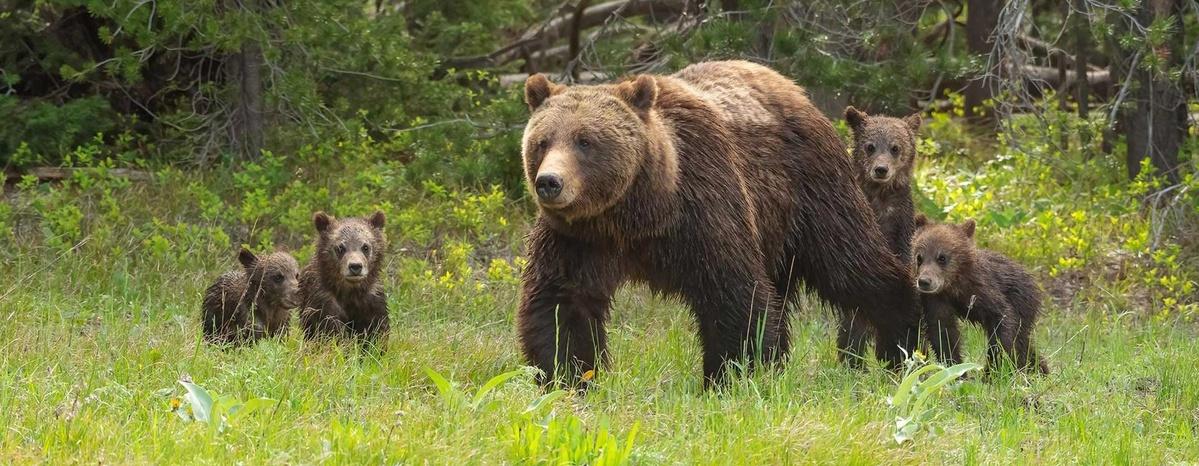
x: 941, y: 259
x: 542, y: 144
x: 919, y: 259
x: 584, y: 143
x: 894, y: 150
x: 366, y: 249
x: 340, y: 249
x: 278, y: 278
x: 870, y: 148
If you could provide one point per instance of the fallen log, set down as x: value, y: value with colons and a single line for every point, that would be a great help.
x: 62, y: 173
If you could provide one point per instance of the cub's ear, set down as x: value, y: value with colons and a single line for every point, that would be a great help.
x: 914, y: 121
x: 322, y: 221
x: 921, y: 220
x: 247, y: 258
x: 640, y: 93
x: 856, y: 118
x: 538, y: 88
x: 377, y: 220
x: 968, y: 228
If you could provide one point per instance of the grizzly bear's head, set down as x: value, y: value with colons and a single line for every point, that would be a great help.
x: 883, y: 147
x: 584, y: 146
x: 942, y: 254
x: 274, y: 279
x: 349, y: 251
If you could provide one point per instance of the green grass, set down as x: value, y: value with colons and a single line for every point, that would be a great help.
x: 95, y: 337
x: 86, y: 362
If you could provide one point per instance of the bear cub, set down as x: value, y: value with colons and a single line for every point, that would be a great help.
x: 339, y: 289
x: 884, y: 152
x: 246, y: 305
x: 956, y: 280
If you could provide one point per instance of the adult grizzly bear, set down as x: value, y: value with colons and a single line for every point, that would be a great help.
x: 339, y: 289
x: 720, y: 184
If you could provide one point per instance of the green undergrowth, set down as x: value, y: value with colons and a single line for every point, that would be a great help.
x: 102, y: 280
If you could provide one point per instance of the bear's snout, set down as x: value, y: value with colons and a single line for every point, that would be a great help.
x: 355, y: 269
x: 926, y: 285
x: 880, y: 172
x: 549, y: 186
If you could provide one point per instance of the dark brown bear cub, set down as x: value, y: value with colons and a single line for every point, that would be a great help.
x: 958, y: 280
x: 339, y: 288
x: 246, y: 305
x: 884, y: 151
x: 721, y: 185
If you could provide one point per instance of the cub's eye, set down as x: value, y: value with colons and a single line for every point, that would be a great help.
x: 542, y: 144
x: 278, y: 278
x: 366, y: 249
x: 894, y: 150
x: 340, y: 249
x: 870, y: 148
x: 941, y: 259
x: 919, y: 259
x: 584, y: 143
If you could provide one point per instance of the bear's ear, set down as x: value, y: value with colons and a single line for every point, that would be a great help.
x: 640, y: 93
x: 538, y: 88
x: 921, y: 220
x: 322, y: 221
x: 914, y: 121
x: 968, y: 228
x: 856, y: 118
x: 377, y: 220
x: 247, y: 258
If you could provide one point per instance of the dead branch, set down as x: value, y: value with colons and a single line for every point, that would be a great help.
x: 562, y: 24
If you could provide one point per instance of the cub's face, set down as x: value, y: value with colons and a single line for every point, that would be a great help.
x: 941, y: 253
x: 275, y: 277
x: 584, y: 145
x: 350, y: 248
x: 884, y: 147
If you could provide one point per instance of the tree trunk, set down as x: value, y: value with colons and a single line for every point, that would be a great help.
x: 1082, y: 48
x: 982, y: 16
x: 1158, y: 127
x: 246, y: 126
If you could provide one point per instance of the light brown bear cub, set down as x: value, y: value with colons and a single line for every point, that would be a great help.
x: 956, y: 280
x: 884, y: 152
x: 246, y: 305
x: 340, y: 292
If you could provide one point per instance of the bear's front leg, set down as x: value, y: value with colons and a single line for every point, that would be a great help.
x: 941, y: 329
x: 566, y: 294
x: 741, y: 319
x: 374, y: 323
x: 853, y: 333
x: 323, y: 318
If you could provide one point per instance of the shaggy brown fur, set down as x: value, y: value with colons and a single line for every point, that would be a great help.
x: 958, y: 280
x: 721, y: 184
x: 884, y: 149
x: 246, y: 305
x: 339, y: 288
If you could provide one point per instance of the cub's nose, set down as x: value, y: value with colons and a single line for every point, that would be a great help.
x: 549, y: 186
x: 924, y: 284
x: 880, y: 172
x: 355, y: 269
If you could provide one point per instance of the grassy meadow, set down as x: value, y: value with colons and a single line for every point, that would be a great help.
x: 102, y: 280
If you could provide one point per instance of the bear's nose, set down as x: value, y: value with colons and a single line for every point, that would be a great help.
x: 549, y: 186
x: 355, y: 269
x: 880, y: 172
x: 924, y: 284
